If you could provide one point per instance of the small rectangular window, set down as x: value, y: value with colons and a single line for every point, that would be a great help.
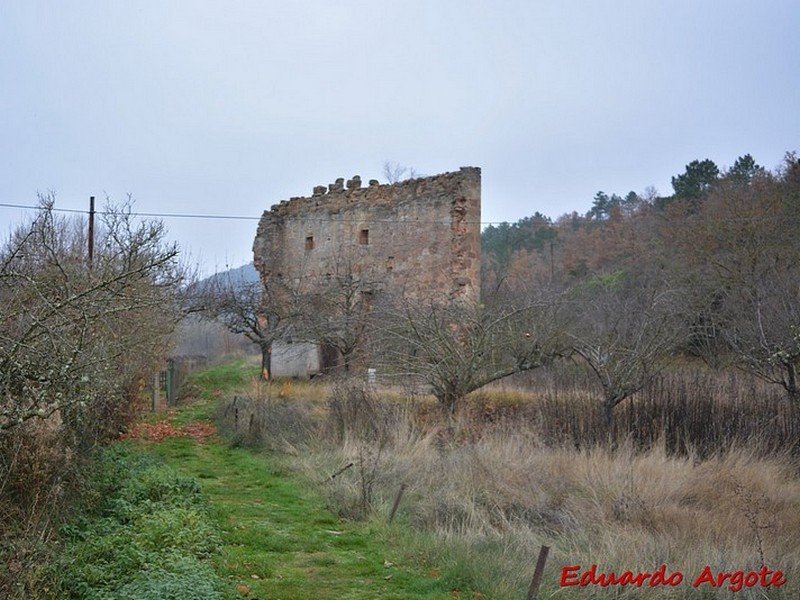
x: 363, y: 237
x: 309, y: 242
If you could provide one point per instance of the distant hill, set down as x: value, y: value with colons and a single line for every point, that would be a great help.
x: 240, y: 275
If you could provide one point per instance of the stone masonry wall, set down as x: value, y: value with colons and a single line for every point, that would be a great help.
x: 420, y: 238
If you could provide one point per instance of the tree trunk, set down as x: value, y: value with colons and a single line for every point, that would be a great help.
x: 266, y: 362
x: 790, y: 384
x: 608, y: 414
x: 451, y: 402
x: 791, y: 380
x: 447, y: 399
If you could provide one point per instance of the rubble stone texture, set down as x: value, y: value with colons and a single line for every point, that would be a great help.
x: 419, y: 238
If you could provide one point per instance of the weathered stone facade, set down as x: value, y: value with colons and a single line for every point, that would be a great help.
x: 420, y: 238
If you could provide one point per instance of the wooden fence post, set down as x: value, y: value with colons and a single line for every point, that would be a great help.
x: 342, y: 470
x: 397, y: 501
x: 537, y: 573
x: 156, y: 390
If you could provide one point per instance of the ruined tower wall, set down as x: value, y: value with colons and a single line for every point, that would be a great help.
x: 419, y: 238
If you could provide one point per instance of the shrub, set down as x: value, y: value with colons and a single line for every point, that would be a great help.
x: 76, y: 347
x: 145, y: 536
x: 186, y: 530
x: 513, y: 471
x: 255, y: 421
x: 178, y: 578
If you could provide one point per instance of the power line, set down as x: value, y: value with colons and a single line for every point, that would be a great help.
x: 66, y: 210
x: 138, y: 214
x: 328, y: 219
x: 241, y: 217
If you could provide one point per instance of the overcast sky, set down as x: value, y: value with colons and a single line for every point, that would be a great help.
x: 229, y: 107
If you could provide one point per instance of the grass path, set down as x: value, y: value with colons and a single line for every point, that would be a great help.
x: 279, y: 540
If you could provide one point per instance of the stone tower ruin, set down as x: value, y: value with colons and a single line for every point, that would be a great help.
x: 420, y: 238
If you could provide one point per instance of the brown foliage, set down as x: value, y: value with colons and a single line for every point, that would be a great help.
x: 155, y: 432
x: 75, y: 346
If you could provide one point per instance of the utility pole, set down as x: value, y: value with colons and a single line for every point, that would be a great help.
x: 91, y: 232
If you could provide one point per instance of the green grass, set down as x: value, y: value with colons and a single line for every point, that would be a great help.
x: 279, y: 541
x: 209, y: 384
x: 202, y: 390
x: 145, y: 533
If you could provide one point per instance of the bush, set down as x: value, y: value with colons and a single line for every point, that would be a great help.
x: 145, y: 535
x: 180, y: 578
x: 186, y: 530
x: 76, y: 348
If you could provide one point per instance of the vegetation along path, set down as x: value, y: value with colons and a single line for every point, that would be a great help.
x: 279, y: 541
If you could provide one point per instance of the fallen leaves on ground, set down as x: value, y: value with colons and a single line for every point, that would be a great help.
x: 155, y: 432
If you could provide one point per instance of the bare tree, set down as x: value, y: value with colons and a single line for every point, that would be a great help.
x: 624, y: 326
x: 395, y: 172
x: 77, y: 345
x: 337, y: 308
x: 263, y: 314
x: 73, y: 339
x: 745, y: 257
x: 458, y: 347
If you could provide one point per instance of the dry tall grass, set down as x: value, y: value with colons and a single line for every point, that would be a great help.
x: 507, y: 476
x: 620, y: 509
